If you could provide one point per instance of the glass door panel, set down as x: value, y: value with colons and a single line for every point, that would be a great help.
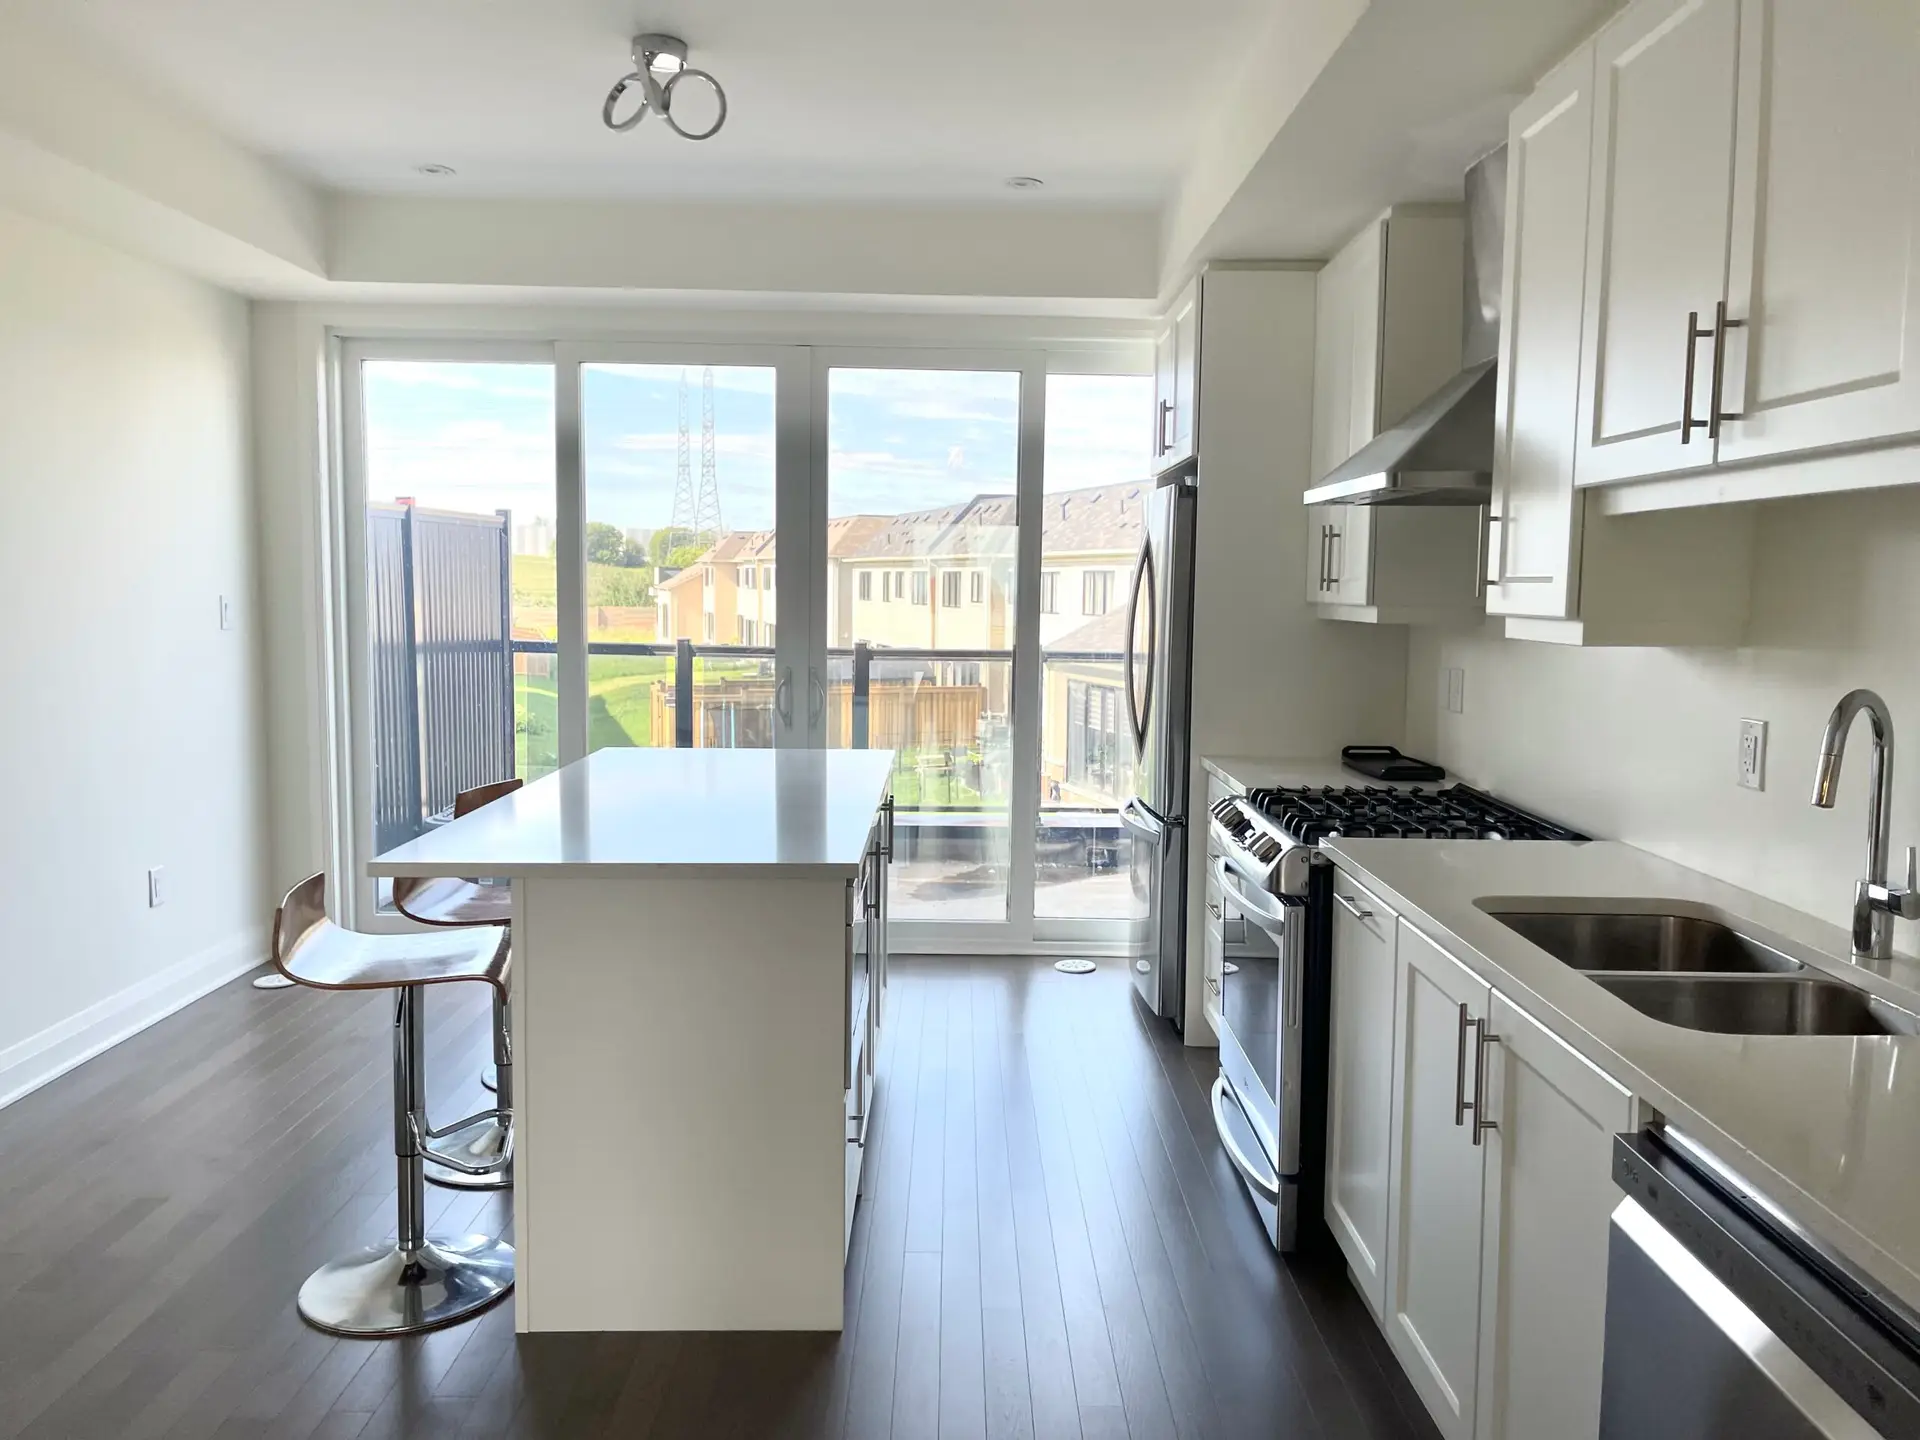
x: 1092, y: 528
x: 922, y: 532
x: 454, y: 673
x: 682, y: 568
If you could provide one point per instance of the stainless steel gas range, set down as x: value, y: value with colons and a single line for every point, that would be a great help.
x: 1270, y: 901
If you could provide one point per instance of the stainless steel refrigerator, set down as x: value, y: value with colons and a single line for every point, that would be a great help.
x: 1158, y: 685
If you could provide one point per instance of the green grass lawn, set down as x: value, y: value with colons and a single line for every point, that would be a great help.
x: 535, y: 586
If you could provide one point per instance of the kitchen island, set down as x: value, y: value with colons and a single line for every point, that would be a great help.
x: 698, y: 974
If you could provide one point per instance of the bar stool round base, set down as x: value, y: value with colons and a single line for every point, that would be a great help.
x: 381, y: 1292
x: 488, y: 1138
x: 272, y: 982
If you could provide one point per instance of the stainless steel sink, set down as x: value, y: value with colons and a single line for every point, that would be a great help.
x: 1666, y: 943
x: 1760, y: 1005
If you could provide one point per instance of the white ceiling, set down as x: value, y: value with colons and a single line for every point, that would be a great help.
x: 884, y: 100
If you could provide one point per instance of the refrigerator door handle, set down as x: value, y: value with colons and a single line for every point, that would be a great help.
x: 1138, y: 816
x: 1140, y: 703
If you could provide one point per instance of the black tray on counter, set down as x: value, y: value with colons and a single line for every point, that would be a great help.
x: 1385, y: 762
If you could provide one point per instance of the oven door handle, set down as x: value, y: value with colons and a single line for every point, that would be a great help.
x: 1261, y: 1179
x: 1271, y: 915
x: 1138, y: 816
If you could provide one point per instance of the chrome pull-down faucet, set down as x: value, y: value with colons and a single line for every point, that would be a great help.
x: 1875, y: 903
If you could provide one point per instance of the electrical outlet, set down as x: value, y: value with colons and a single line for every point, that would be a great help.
x: 226, y: 613
x: 156, y: 887
x: 1456, y: 691
x: 1753, y: 754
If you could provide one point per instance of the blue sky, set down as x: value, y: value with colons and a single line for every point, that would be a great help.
x: 479, y: 437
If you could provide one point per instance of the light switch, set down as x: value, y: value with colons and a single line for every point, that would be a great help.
x: 226, y: 613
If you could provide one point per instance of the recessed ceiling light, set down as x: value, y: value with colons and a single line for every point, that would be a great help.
x: 435, y: 170
x: 1023, y: 182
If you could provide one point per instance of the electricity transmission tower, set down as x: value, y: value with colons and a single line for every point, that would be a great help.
x: 697, y: 514
x: 706, y: 511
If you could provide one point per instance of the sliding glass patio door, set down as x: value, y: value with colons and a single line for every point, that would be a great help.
x: 553, y: 549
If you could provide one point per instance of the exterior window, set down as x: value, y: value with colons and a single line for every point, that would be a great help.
x: 706, y: 579
x: 1049, y: 592
x: 709, y: 626
x: 746, y: 577
x: 976, y: 586
x: 886, y: 585
x: 1092, y: 735
x: 899, y: 584
x: 769, y: 569
x: 771, y: 627
x: 950, y: 589
x: 746, y: 631
x: 919, y: 587
x: 866, y: 585
x: 1096, y: 592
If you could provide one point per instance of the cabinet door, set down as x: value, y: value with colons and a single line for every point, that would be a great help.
x: 1165, y: 385
x: 1826, y: 228
x: 1360, y: 1089
x: 1533, y: 544
x: 1186, y: 372
x: 1658, y: 221
x: 1433, y: 1237
x: 1550, y: 1191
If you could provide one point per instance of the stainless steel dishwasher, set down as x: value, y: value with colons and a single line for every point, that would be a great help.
x: 1726, y: 1320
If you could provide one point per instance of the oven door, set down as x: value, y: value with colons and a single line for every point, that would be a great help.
x: 1262, y: 1012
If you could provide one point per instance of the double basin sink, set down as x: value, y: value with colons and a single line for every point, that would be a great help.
x: 1692, y: 971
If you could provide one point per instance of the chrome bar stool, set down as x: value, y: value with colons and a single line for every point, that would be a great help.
x: 460, y: 903
x: 419, y: 1281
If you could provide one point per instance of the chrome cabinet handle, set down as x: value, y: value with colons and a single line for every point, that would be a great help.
x: 1721, y: 325
x: 1483, y: 1037
x: 1160, y: 432
x: 1492, y: 539
x: 1335, y: 540
x: 1460, y: 1105
x: 1687, y: 423
x: 1213, y: 909
x: 1351, y: 907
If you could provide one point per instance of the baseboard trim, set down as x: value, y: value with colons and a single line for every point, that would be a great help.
x: 30, y: 1063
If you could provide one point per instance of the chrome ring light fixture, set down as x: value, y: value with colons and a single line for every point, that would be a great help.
x: 660, y: 64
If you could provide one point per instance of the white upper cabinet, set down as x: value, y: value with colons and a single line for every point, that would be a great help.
x: 1176, y: 379
x: 1826, y: 228
x: 1387, y: 322
x: 1533, y: 544
x: 1661, y: 203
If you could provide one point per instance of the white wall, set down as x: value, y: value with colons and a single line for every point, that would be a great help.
x: 130, y: 734
x: 1642, y: 745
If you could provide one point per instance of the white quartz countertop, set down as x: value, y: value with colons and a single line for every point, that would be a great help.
x: 801, y: 813
x: 1829, y: 1126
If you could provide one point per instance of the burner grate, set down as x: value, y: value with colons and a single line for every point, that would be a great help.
x: 1457, y: 812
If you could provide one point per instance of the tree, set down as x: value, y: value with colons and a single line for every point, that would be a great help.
x: 634, y: 557
x: 668, y: 542
x: 682, y: 556
x: 605, y: 544
x: 630, y: 587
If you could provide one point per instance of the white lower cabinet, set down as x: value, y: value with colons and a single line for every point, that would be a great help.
x: 1543, y: 1248
x: 1469, y: 1184
x: 1432, y: 1313
x: 1360, y: 1106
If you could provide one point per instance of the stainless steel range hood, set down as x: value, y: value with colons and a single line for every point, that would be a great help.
x: 1441, y: 451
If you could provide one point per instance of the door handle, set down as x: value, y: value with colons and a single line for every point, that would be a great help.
x: 816, y: 698
x: 1460, y: 1104
x: 1352, y: 907
x: 1687, y: 423
x: 1483, y: 1037
x: 1721, y: 325
x: 783, y: 697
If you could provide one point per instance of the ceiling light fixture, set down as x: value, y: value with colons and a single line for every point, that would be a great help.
x: 1023, y: 182
x: 655, y: 56
x: 437, y: 171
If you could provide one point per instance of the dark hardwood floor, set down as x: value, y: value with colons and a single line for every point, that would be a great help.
x: 1050, y: 1244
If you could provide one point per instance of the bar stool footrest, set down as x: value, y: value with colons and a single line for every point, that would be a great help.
x: 494, y: 1164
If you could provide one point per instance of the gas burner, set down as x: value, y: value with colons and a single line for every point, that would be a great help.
x: 1458, y: 812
